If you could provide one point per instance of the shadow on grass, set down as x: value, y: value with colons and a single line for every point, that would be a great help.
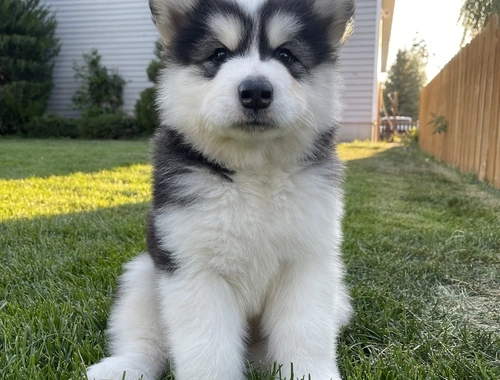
x: 24, y: 158
x: 58, y: 276
x: 63, y: 238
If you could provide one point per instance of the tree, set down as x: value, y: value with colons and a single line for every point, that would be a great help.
x: 28, y: 47
x: 475, y: 15
x: 405, y: 79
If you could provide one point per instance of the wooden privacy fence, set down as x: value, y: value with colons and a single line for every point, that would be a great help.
x: 465, y: 95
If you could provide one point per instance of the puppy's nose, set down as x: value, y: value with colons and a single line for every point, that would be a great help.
x: 255, y: 93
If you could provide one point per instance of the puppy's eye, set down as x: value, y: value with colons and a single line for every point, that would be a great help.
x: 285, y: 55
x: 220, y: 55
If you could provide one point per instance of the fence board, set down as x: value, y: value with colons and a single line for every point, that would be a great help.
x: 481, y: 97
x: 467, y: 94
x: 494, y: 157
x: 489, y: 78
x: 469, y: 105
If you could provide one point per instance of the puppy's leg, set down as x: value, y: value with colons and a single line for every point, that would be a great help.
x: 301, y: 324
x: 205, y: 326
x: 136, y: 338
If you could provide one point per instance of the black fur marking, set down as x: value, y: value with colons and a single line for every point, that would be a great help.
x: 173, y: 158
x: 323, y: 157
x: 162, y: 258
x: 195, y: 42
x: 323, y: 147
x: 311, y: 45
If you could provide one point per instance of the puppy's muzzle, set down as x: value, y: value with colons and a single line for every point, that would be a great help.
x: 255, y: 93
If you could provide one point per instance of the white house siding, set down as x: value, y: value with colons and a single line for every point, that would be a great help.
x: 122, y: 32
x: 359, y: 64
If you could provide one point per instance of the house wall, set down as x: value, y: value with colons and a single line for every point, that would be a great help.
x: 124, y: 35
x: 359, y: 61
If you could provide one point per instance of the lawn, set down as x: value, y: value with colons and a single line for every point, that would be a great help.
x: 422, y: 248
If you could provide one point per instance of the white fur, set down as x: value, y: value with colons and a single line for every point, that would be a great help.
x: 260, y: 275
x: 281, y: 28
x: 275, y: 256
x: 228, y: 30
x: 137, y: 339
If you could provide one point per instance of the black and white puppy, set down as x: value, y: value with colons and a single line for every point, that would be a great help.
x: 244, y: 236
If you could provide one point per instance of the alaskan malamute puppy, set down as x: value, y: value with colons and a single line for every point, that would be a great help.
x: 244, y: 235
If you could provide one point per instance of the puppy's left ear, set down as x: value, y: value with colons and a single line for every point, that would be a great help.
x: 337, y: 17
x: 169, y: 16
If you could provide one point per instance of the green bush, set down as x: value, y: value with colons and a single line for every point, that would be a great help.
x: 157, y: 64
x: 145, y: 108
x: 410, y: 138
x: 27, y: 50
x: 52, y: 125
x: 145, y: 111
x: 108, y: 126
x: 153, y: 70
x: 92, y: 112
x: 19, y: 102
x: 99, y: 89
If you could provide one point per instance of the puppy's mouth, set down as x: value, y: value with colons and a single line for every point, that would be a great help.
x: 255, y: 121
x: 255, y: 126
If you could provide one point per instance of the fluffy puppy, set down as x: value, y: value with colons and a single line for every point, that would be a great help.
x: 244, y: 232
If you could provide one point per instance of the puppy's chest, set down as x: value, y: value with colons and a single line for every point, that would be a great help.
x: 249, y: 228
x: 255, y: 221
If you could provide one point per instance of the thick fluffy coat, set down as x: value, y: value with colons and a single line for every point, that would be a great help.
x: 244, y: 233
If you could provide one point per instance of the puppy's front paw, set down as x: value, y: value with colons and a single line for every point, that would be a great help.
x: 118, y: 368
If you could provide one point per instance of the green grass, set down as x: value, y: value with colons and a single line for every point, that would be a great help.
x: 422, y: 248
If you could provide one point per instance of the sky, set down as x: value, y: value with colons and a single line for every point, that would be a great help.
x: 434, y: 21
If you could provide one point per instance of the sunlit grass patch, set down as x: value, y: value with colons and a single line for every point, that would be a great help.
x: 361, y: 149
x: 76, y: 192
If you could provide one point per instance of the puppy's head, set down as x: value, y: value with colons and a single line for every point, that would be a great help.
x: 251, y: 81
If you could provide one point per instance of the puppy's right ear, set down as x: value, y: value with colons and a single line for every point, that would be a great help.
x: 336, y: 17
x: 169, y: 16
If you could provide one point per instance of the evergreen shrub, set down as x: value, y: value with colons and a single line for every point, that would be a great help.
x: 52, y: 125
x: 108, y: 126
x: 146, y: 112
x: 28, y: 47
